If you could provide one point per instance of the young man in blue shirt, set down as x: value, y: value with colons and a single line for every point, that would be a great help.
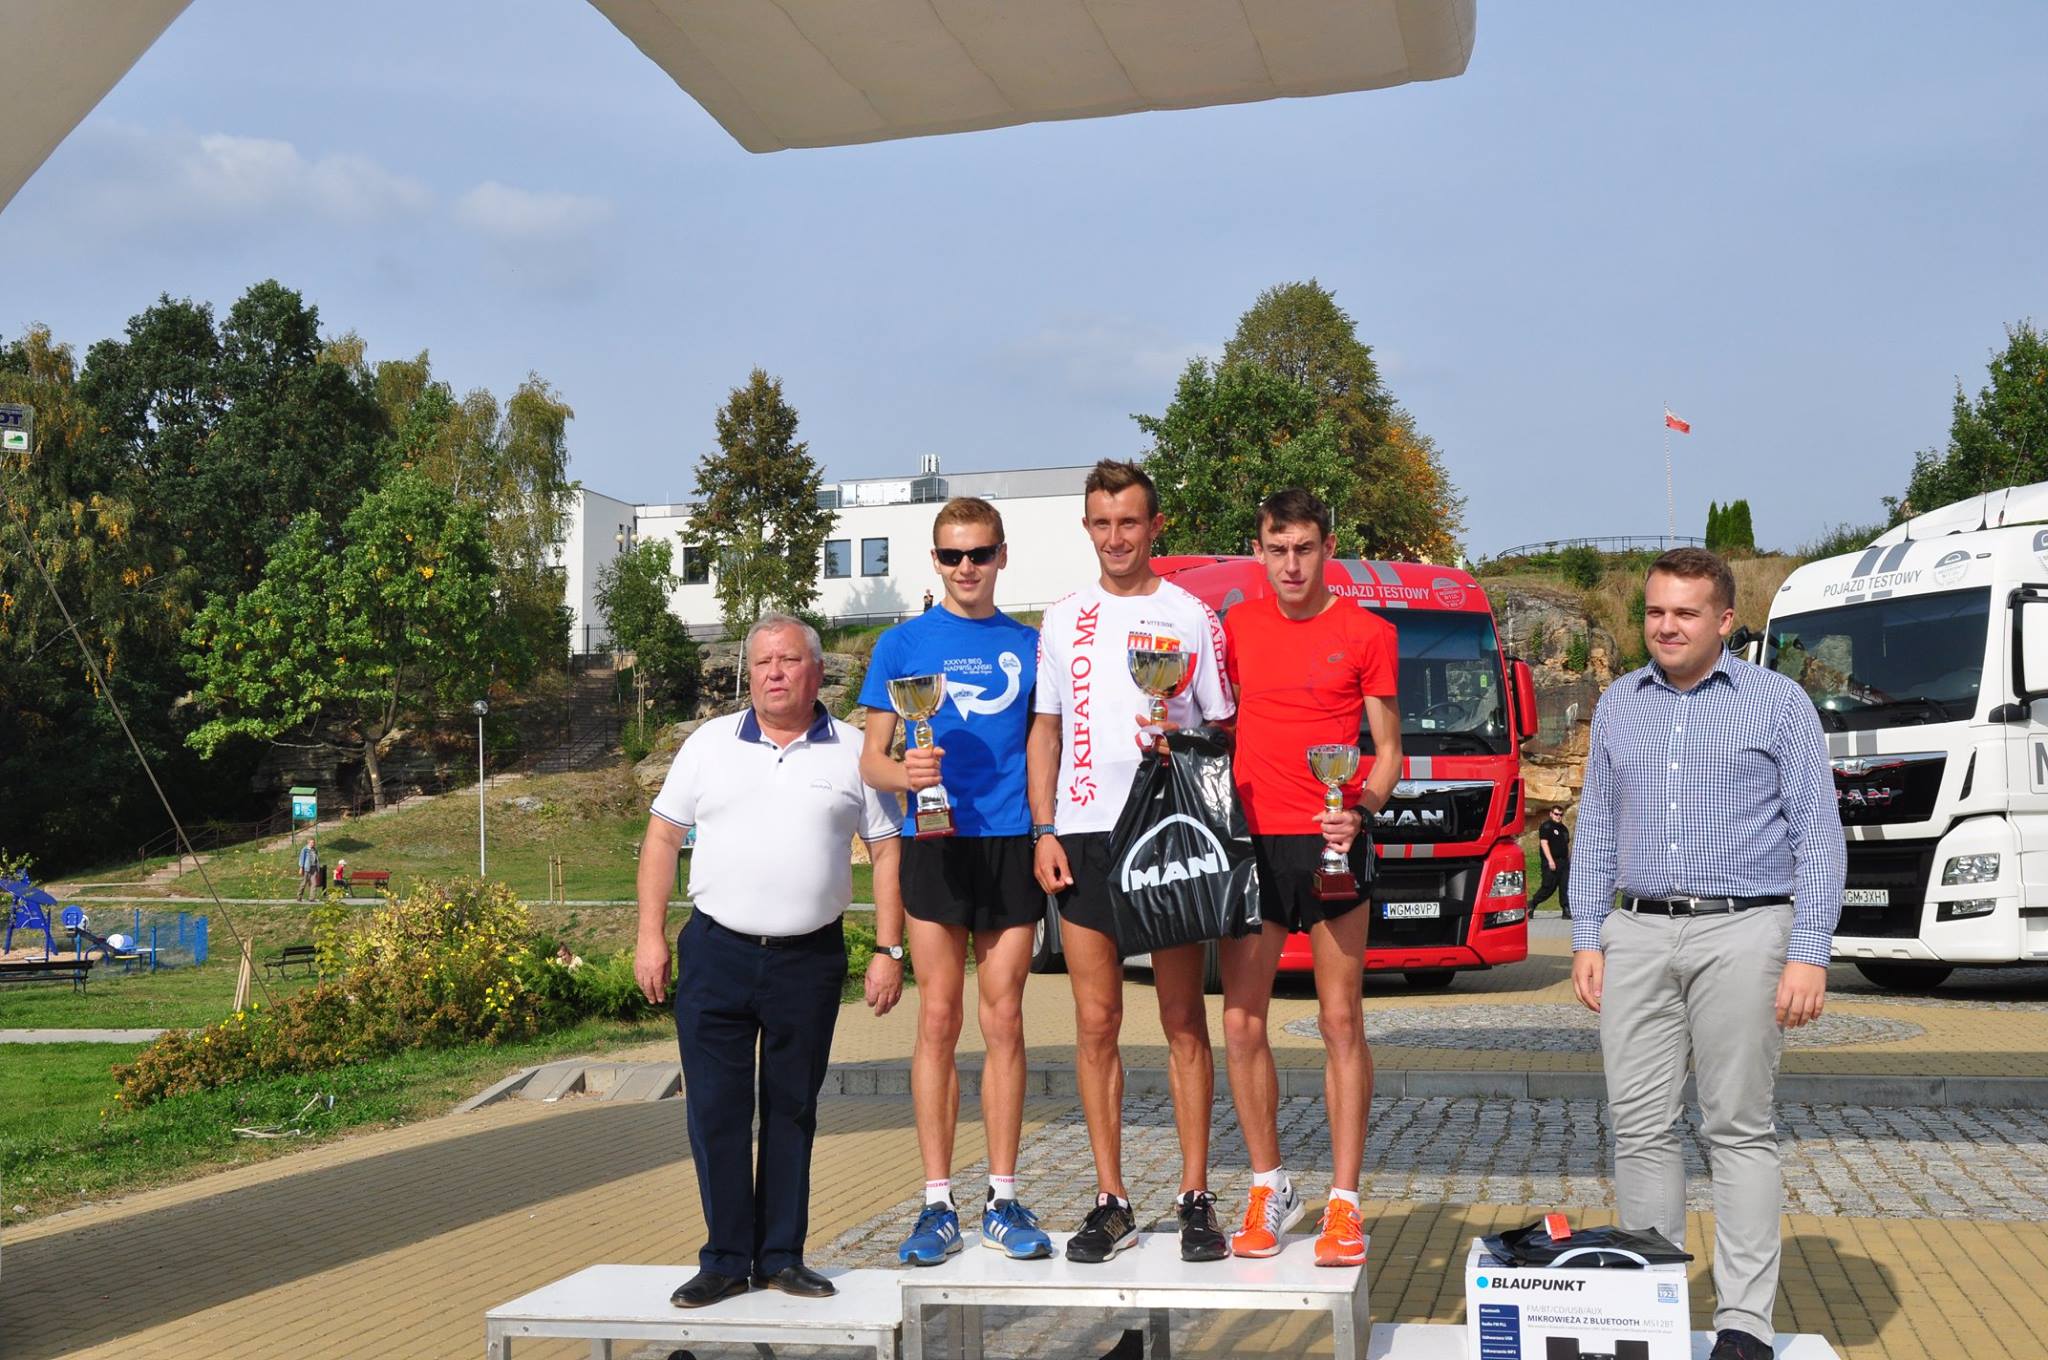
x: 974, y: 886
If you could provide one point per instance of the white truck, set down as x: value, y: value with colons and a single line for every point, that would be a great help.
x: 1926, y: 654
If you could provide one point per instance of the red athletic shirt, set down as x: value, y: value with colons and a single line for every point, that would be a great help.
x: 1301, y: 683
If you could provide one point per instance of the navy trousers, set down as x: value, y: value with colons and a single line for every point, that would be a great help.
x: 735, y: 997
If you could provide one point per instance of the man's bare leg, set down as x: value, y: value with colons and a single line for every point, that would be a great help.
x: 1339, y: 946
x: 1190, y: 1062
x: 1095, y: 969
x: 1249, y: 965
x: 939, y: 954
x: 1002, y: 963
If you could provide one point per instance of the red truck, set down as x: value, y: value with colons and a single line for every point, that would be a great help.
x: 1450, y: 892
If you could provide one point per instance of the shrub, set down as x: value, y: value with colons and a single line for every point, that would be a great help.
x: 1579, y: 653
x: 1581, y: 565
x: 449, y: 964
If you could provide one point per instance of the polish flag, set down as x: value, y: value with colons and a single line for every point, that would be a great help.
x: 1672, y: 422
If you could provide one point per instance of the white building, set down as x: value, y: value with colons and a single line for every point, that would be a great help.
x: 876, y: 565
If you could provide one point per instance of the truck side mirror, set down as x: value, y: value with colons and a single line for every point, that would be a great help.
x: 2030, y: 644
x: 1525, y: 698
x: 1747, y: 643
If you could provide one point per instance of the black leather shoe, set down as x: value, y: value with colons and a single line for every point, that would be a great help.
x: 1730, y: 1344
x: 799, y: 1280
x: 708, y: 1286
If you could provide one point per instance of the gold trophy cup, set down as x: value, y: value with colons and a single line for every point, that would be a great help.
x: 915, y: 698
x: 1161, y: 675
x: 1334, y: 765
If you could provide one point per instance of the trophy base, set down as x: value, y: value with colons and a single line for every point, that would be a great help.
x: 1333, y: 887
x: 932, y: 824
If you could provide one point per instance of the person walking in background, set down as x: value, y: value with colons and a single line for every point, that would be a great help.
x: 777, y: 789
x: 1554, y: 843
x: 309, y: 870
x: 1709, y: 801
x: 927, y: 601
x: 973, y: 888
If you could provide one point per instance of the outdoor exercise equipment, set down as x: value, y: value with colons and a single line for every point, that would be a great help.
x: 31, y: 911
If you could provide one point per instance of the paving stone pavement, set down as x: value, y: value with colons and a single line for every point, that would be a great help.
x: 1559, y: 1027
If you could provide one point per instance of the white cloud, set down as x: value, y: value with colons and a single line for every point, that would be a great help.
x: 124, y: 176
x: 515, y: 214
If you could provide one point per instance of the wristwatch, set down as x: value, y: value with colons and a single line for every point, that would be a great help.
x: 1042, y: 829
x: 894, y: 951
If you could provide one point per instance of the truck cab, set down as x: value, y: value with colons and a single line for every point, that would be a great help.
x: 1926, y: 657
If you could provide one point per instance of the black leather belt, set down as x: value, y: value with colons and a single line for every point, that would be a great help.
x: 773, y: 941
x: 1697, y: 906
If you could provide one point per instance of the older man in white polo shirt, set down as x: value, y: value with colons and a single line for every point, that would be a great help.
x: 776, y: 796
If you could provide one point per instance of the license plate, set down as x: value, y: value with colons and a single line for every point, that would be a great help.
x: 1866, y: 897
x: 1410, y: 911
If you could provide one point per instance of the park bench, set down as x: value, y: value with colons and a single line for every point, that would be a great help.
x: 374, y: 878
x: 301, y: 956
x: 49, y: 970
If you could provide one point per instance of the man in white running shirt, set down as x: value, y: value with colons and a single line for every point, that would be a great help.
x: 1088, y: 736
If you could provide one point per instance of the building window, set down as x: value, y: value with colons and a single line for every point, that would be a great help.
x: 696, y: 566
x: 838, y: 558
x: 874, y: 557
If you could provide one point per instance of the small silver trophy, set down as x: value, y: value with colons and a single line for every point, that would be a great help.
x: 915, y: 698
x: 1334, y: 765
x: 1161, y: 675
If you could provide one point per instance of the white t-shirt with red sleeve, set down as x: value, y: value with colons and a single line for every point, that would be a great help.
x: 1084, y: 675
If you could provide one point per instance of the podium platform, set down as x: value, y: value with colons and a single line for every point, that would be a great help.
x: 1150, y: 1276
x: 613, y: 1303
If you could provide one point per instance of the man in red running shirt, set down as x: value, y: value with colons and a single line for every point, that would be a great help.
x: 1307, y: 666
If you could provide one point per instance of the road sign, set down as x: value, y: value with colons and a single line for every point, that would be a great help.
x: 17, y: 428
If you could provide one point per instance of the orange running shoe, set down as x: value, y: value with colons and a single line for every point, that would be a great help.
x: 1266, y: 1219
x: 1342, y: 1240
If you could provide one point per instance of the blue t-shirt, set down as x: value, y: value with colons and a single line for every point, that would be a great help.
x: 990, y: 666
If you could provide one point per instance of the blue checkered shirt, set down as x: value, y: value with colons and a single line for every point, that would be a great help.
x: 1723, y: 790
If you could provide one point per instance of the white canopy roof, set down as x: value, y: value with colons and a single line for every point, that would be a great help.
x: 790, y: 73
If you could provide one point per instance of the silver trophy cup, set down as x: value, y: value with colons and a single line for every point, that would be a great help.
x: 1334, y: 765
x: 915, y: 698
x: 1161, y: 675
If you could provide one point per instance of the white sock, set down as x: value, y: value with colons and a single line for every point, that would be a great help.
x: 1002, y: 1187
x: 1276, y: 1179
x: 1350, y: 1197
x: 939, y: 1192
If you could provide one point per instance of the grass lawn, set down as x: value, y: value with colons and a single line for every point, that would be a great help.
x: 64, y: 1139
x: 166, y: 999
x: 594, y: 820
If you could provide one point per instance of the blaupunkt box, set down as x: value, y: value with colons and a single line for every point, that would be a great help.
x: 1567, y: 1313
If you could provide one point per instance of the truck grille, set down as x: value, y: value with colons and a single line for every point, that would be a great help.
x: 1874, y: 790
x: 1452, y: 883
x: 1900, y: 869
x: 1428, y: 811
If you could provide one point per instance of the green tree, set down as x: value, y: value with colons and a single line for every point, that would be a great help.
x: 1737, y: 533
x: 1234, y: 434
x: 1998, y: 439
x: 758, y: 514
x: 633, y: 591
x: 1402, y: 502
x: 1582, y: 565
x: 72, y: 508
x: 1713, y: 526
x: 392, y: 611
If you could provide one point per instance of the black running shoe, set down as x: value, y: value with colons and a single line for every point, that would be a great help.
x: 1108, y: 1229
x: 1200, y: 1238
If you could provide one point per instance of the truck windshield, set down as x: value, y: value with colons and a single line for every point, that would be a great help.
x: 1450, y: 685
x: 1886, y: 663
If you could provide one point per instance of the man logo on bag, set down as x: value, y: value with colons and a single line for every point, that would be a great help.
x: 1153, y: 863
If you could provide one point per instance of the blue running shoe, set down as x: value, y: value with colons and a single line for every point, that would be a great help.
x: 936, y: 1236
x: 1013, y: 1230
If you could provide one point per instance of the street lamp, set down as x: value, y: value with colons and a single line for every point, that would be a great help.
x: 480, y: 707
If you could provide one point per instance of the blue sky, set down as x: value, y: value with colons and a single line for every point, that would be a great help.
x: 1796, y: 224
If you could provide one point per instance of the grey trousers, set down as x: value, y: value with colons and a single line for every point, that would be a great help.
x: 1700, y: 987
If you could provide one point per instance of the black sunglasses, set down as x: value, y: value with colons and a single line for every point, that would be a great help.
x: 981, y: 557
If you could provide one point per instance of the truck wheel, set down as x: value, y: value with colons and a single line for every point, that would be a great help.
x: 1212, y: 969
x: 1904, y: 977
x: 1434, y: 980
x: 1045, y: 953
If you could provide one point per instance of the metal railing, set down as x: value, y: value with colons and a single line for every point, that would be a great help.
x: 1613, y: 543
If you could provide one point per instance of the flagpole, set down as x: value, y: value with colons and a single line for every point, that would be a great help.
x: 1670, y: 505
